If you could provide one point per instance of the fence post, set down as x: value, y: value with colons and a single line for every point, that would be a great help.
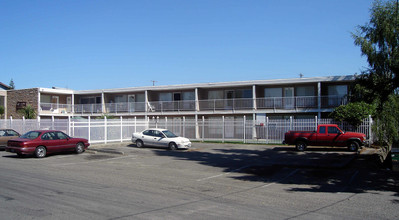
x: 267, y: 130
x: 291, y: 123
x: 135, y: 124
x: 166, y: 122
x: 69, y: 125
x: 23, y: 124
x: 203, y: 128
x: 105, y: 130
x: 11, y: 122
x: 121, y: 129
x: 244, y: 128
x: 89, y: 119
x: 196, y: 127
x: 184, y: 126
x: 38, y: 122
x: 52, y: 122
x: 370, y: 130
x: 316, y: 122
x: 223, y: 129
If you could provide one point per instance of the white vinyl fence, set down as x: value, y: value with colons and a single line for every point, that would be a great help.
x: 224, y: 129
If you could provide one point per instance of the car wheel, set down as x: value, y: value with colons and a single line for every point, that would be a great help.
x: 353, y: 146
x: 172, y: 146
x: 300, y: 145
x: 80, y: 148
x: 139, y: 144
x: 40, y: 152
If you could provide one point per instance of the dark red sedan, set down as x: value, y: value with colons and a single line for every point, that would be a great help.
x: 41, y: 142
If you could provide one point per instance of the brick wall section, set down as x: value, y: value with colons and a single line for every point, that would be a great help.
x: 30, y: 96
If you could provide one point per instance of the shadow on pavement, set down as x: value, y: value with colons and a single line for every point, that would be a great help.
x: 333, y: 170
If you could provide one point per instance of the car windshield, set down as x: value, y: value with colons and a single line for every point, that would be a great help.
x: 169, y: 134
x: 31, y: 135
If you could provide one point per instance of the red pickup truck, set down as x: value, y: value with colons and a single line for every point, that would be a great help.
x: 326, y: 135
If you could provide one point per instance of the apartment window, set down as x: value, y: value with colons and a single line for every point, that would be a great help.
x: 188, y: 96
x: 273, y: 92
x: 90, y: 100
x: 165, y: 96
x: 244, y: 93
x: 45, y: 98
x: 120, y: 98
x: 306, y: 97
x: 305, y: 91
x: 215, y: 94
x: 340, y: 90
x: 337, y: 94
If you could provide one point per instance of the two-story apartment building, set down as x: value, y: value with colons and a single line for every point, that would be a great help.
x: 299, y: 97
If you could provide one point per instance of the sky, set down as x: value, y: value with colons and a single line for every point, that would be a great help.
x: 104, y: 44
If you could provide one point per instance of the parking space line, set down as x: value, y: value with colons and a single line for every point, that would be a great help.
x: 211, y: 177
x: 282, y: 179
x: 94, y: 161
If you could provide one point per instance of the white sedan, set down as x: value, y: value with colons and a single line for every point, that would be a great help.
x: 160, y: 138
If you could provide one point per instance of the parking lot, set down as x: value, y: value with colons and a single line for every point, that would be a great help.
x: 209, y: 181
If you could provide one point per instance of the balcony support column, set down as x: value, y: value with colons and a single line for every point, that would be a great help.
x: 146, y: 104
x: 319, y: 99
x: 103, y: 102
x: 197, y: 107
x: 73, y: 103
x: 254, y: 97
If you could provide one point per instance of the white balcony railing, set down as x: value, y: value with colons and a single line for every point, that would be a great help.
x: 204, y: 105
x: 287, y: 102
x: 225, y: 104
x: 55, y: 108
x: 168, y: 106
x: 125, y: 107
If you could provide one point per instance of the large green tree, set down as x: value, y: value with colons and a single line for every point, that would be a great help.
x: 379, y: 42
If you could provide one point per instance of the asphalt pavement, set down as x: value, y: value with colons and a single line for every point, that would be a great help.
x: 283, y: 155
x: 208, y: 181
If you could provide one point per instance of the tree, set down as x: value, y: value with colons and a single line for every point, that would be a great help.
x: 12, y: 85
x: 28, y: 112
x: 379, y: 42
x: 353, y: 113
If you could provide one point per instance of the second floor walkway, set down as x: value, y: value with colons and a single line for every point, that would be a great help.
x: 214, y: 105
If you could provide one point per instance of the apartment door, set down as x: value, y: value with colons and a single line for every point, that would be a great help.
x: 55, y: 100
x: 176, y: 99
x: 229, y: 99
x: 131, y: 99
x: 289, y: 99
x: 69, y: 104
